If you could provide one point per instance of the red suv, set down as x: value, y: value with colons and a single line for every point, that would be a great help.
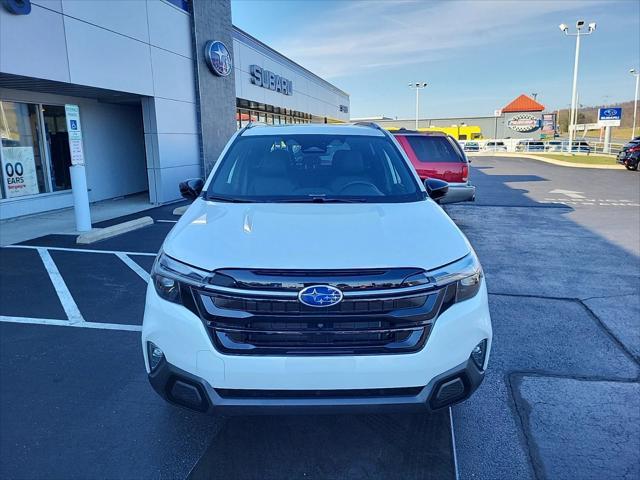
x: 438, y: 155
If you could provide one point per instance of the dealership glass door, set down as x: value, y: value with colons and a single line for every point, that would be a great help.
x: 57, y: 138
x: 23, y: 167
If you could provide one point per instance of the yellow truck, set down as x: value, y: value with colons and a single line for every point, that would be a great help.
x: 459, y: 132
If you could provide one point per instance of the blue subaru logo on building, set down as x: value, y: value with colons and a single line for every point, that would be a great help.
x: 218, y: 58
x: 320, y: 296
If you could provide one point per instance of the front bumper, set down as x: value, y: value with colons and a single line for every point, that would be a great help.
x: 190, y: 391
x: 189, y: 354
x: 460, y: 192
x: 628, y: 159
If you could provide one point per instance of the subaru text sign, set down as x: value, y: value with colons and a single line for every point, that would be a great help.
x: 609, y: 117
x: 266, y: 79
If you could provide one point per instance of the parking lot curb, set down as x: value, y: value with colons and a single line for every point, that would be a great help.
x: 559, y: 162
x: 180, y: 210
x: 103, y: 233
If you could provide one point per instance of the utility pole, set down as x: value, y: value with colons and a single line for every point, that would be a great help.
x: 636, y: 74
x: 418, y: 86
x: 574, y: 94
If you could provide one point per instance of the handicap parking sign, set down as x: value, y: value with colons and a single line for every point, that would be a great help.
x: 73, y: 124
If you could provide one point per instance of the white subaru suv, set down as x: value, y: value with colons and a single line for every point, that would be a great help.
x: 314, y: 272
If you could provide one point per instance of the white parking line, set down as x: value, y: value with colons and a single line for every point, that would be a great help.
x: 142, y: 273
x: 166, y: 221
x: 592, y: 201
x: 453, y: 444
x: 82, y: 250
x: 65, y: 323
x: 67, y: 301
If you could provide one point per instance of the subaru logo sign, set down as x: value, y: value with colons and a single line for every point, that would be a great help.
x: 218, y: 58
x: 320, y: 296
x: 610, y: 114
x: 17, y: 7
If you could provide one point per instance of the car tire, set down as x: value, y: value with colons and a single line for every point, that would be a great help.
x: 633, y: 167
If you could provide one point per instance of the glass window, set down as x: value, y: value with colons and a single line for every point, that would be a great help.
x: 23, y: 170
x: 55, y: 126
x: 433, y: 149
x: 307, y: 167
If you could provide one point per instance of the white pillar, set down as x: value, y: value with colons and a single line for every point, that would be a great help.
x: 80, y: 198
x: 607, y: 140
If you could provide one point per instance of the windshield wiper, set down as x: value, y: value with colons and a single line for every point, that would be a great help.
x: 312, y: 199
x: 216, y: 198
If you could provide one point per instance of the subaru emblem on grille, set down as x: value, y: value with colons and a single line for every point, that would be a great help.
x: 320, y: 296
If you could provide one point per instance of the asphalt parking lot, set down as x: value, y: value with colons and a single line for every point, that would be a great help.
x: 561, y: 251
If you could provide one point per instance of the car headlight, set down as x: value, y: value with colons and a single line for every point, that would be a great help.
x: 170, y: 276
x: 465, y: 273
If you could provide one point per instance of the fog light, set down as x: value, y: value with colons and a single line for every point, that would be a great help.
x: 478, y: 354
x: 155, y: 355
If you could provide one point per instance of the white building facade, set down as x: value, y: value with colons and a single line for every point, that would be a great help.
x: 132, y: 70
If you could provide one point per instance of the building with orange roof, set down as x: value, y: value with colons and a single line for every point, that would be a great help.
x: 522, y: 118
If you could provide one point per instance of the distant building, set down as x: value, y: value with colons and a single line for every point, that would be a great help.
x: 520, y: 118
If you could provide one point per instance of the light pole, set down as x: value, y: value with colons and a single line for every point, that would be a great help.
x: 636, y: 74
x: 578, y: 33
x: 417, y: 86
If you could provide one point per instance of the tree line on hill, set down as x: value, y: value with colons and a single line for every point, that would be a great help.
x: 590, y: 115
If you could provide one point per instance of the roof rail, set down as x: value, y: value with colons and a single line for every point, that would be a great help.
x: 369, y: 124
x: 252, y: 124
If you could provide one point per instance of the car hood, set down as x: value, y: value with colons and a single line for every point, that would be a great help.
x: 212, y: 235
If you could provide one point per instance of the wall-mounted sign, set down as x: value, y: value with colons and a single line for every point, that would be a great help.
x: 218, y: 58
x: 19, y: 171
x: 75, y: 134
x: 524, y: 123
x: 17, y: 7
x: 609, y: 117
x: 344, y: 108
x: 549, y: 122
x: 266, y: 79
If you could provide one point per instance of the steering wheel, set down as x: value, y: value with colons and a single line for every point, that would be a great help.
x: 361, y: 182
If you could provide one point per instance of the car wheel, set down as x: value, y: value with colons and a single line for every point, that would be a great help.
x: 633, y: 167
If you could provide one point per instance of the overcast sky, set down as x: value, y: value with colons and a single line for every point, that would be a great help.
x: 476, y: 55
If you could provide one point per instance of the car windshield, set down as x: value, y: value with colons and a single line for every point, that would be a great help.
x: 435, y: 149
x: 314, y: 168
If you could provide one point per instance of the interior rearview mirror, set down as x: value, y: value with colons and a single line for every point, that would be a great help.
x: 191, y: 188
x: 436, y: 189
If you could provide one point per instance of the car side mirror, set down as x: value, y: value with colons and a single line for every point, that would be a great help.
x: 436, y: 189
x: 191, y: 188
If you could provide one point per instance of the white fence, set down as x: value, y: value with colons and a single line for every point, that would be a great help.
x: 550, y: 146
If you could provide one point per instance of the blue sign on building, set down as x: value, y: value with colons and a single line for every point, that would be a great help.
x: 610, y: 113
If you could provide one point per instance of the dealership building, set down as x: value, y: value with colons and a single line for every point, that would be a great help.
x: 142, y: 94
